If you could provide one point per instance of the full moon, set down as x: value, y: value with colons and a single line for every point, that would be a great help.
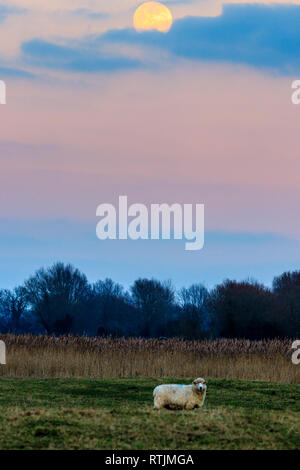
x: 153, y: 15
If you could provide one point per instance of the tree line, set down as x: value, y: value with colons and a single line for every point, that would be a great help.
x: 59, y: 300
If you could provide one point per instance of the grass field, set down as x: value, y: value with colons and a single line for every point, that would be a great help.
x: 117, y: 414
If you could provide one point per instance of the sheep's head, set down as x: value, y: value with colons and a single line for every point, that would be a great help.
x: 200, y: 385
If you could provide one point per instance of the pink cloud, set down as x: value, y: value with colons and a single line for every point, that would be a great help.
x: 223, y: 136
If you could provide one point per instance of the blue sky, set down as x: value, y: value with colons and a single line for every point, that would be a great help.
x: 28, y: 245
x: 258, y: 35
x: 201, y: 114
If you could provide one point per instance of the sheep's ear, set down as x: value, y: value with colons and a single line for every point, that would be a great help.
x: 195, y: 382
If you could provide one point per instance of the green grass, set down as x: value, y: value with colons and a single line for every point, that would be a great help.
x: 118, y: 414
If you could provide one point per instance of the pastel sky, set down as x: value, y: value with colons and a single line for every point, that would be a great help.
x: 200, y: 114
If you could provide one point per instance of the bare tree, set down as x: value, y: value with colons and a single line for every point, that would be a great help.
x: 13, y: 305
x: 154, y: 300
x: 194, y: 318
x: 287, y: 290
x: 112, y: 312
x: 195, y: 295
x: 56, y: 296
x: 244, y: 310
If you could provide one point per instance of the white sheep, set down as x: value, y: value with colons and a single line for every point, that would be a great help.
x: 174, y: 396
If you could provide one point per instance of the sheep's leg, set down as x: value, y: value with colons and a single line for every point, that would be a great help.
x: 157, y: 403
x: 189, y: 406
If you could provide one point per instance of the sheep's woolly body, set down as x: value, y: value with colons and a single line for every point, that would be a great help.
x: 180, y: 396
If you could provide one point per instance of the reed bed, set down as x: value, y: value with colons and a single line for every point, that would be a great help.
x: 69, y: 356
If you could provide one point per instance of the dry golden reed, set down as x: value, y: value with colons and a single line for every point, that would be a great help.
x: 69, y: 356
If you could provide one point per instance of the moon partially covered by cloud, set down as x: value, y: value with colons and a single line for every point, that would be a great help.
x: 153, y: 15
